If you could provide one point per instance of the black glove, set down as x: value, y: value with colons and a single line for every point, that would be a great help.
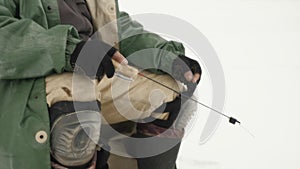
x: 95, y: 58
x: 183, y: 64
x: 173, y: 108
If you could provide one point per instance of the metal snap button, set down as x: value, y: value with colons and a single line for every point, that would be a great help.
x: 110, y: 8
x: 41, y: 137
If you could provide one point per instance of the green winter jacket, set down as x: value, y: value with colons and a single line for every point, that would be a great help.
x: 34, y: 45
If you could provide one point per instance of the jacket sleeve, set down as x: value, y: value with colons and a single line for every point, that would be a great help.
x: 145, y: 49
x: 28, y: 50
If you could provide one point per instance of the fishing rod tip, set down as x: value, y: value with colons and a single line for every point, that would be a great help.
x: 234, y: 121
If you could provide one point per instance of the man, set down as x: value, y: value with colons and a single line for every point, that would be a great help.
x: 41, y: 38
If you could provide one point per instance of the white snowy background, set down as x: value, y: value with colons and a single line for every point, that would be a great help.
x: 258, y: 44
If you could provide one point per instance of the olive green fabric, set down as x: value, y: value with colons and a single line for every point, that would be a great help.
x: 34, y: 45
x: 145, y: 49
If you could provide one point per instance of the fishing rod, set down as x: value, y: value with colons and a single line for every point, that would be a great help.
x: 126, y: 73
x: 232, y: 120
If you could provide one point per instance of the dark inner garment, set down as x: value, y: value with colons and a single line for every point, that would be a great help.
x: 77, y: 14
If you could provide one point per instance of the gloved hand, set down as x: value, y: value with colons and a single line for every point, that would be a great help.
x: 93, y: 57
x: 173, y: 108
x: 187, y: 71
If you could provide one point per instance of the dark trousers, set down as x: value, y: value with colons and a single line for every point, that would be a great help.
x: 165, y: 160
